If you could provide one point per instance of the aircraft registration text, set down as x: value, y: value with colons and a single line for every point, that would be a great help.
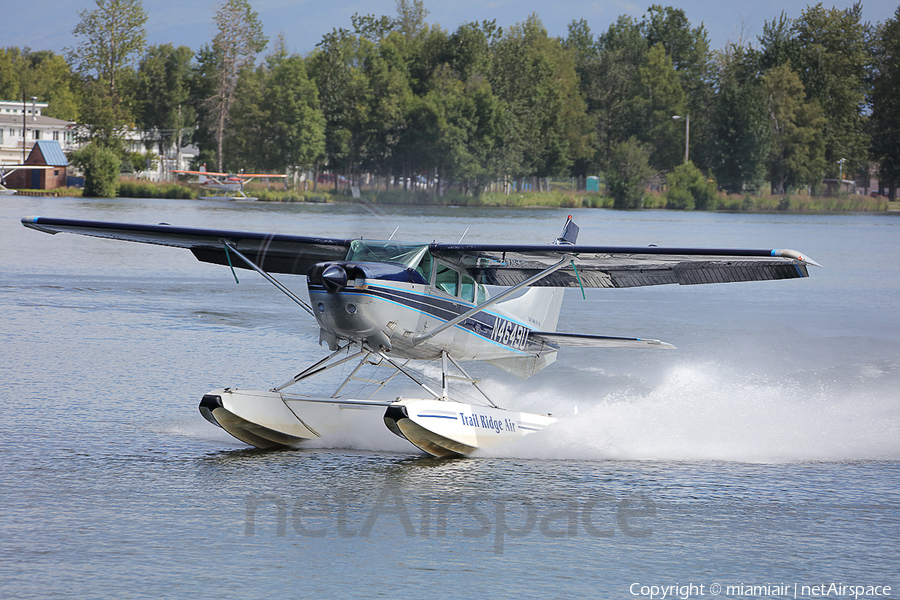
x: 510, y: 334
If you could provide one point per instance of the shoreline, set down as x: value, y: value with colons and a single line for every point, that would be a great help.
x: 538, y: 200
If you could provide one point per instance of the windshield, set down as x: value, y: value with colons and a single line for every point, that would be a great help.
x: 408, y: 255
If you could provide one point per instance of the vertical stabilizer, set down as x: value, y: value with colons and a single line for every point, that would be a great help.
x: 569, y: 233
x: 203, y: 178
x: 539, y: 307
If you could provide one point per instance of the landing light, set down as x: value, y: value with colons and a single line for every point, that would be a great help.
x: 320, y: 307
x: 351, y: 309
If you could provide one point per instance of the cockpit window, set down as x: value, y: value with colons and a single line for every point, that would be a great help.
x: 412, y: 256
x: 446, y: 279
x: 424, y: 267
x: 467, y: 289
x: 481, y: 294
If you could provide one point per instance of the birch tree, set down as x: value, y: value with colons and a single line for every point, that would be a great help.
x: 239, y: 39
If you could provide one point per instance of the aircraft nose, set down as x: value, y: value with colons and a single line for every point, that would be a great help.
x: 334, y: 278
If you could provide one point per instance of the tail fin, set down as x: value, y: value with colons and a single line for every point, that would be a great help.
x: 203, y: 178
x: 540, y: 306
x: 569, y: 233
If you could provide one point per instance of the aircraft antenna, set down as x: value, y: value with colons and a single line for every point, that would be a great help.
x: 463, y: 235
x: 395, y: 231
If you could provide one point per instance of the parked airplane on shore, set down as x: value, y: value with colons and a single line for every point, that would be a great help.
x: 7, y: 170
x: 226, y: 186
x: 390, y: 304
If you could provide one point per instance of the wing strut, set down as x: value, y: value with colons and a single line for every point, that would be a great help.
x: 555, y: 267
x: 268, y: 278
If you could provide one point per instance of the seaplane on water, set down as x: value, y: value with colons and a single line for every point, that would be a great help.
x: 395, y: 305
x: 225, y: 186
x: 7, y: 170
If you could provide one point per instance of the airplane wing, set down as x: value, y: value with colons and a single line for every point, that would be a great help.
x: 621, y: 267
x: 582, y: 340
x: 207, y: 173
x: 275, y: 253
x: 491, y: 264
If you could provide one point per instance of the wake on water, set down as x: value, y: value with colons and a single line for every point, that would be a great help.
x: 710, y: 412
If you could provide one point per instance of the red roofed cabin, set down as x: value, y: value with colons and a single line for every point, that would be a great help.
x: 45, y: 153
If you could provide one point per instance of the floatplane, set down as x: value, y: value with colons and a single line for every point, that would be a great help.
x: 225, y: 186
x: 397, y: 304
x: 7, y: 170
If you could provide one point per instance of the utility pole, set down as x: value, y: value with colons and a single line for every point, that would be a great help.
x: 24, y: 128
x: 687, y: 135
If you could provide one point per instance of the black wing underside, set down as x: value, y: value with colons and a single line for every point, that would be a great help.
x: 623, y: 267
x: 275, y: 253
x: 490, y: 264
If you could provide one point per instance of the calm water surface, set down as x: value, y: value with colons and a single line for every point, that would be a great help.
x: 764, y: 452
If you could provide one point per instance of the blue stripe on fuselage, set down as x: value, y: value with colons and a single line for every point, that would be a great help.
x: 481, y: 324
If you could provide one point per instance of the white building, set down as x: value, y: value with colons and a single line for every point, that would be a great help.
x: 21, y: 125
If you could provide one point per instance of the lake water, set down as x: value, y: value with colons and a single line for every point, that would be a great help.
x: 760, y: 459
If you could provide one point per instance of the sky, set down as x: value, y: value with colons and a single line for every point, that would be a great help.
x: 48, y: 24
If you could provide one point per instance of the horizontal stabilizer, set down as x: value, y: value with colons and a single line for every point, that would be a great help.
x: 580, y: 340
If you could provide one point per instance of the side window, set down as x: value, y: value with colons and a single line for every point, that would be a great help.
x: 446, y: 279
x: 481, y: 294
x: 467, y: 289
x: 424, y: 267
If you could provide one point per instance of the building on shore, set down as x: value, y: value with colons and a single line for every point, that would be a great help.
x: 22, y: 124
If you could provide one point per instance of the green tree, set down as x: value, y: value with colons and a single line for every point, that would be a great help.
x: 797, y: 154
x: 688, y: 48
x: 608, y: 85
x: 164, y: 79
x: 659, y: 97
x: 832, y: 60
x: 337, y: 69
x: 41, y: 74
x: 245, y: 144
x: 739, y: 122
x: 580, y: 41
x: 777, y: 44
x: 628, y: 174
x: 461, y: 119
x: 9, y: 73
x: 689, y: 188
x: 389, y: 96
x: 203, y: 82
x: 100, y: 166
x: 111, y: 37
x: 411, y: 16
x: 534, y: 77
x: 48, y: 77
x: 238, y: 40
x: 295, y: 127
x: 885, y: 125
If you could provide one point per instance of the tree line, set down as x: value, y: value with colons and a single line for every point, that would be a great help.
x: 814, y: 97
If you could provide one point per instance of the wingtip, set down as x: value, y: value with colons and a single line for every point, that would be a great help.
x: 660, y: 345
x: 796, y: 256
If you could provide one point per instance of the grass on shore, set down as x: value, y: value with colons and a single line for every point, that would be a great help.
x: 653, y: 200
x: 135, y: 188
